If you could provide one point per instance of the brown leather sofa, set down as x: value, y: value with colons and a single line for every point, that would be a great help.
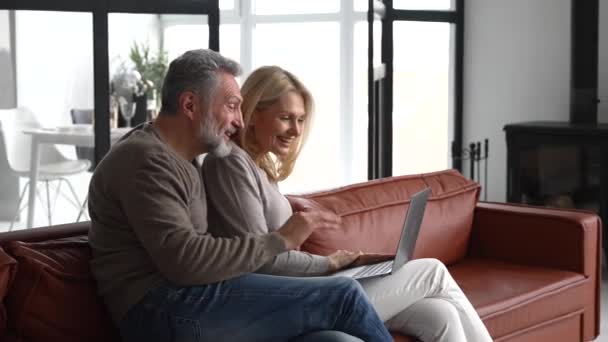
x: 532, y: 273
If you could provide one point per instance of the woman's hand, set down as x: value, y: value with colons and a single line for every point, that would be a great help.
x: 341, y: 259
x: 371, y: 258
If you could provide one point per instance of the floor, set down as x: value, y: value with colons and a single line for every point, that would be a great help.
x: 63, y: 211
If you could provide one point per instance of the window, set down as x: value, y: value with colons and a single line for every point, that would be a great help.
x: 332, y: 63
x: 421, y: 97
x: 273, y: 7
x: 51, y: 78
x: 186, y: 32
x: 180, y: 38
x: 426, y: 77
x: 317, y: 165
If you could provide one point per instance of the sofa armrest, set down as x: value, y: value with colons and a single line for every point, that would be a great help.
x: 537, y: 236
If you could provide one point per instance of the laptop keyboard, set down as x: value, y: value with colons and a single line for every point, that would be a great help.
x: 369, y: 270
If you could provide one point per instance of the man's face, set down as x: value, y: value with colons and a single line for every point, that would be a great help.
x: 224, y: 117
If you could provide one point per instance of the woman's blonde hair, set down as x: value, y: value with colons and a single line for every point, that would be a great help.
x: 263, y: 88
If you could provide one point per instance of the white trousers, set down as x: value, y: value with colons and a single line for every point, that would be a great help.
x: 422, y: 299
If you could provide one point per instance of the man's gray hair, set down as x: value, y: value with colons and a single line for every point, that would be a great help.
x: 195, y: 70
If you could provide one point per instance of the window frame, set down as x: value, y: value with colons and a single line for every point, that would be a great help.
x: 380, y: 154
x: 243, y: 14
x: 346, y: 17
x: 100, y: 9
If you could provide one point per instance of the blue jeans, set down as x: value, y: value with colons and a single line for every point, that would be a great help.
x: 253, y: 307
x: 327, y: 336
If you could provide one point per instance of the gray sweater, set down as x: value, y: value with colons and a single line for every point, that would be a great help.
x: 148, y: 224
x: 244, y: 202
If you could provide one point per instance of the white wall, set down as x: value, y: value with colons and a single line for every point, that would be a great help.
x: 603, y: 63
x: 4, y: 30
x: 7, y: 84
x: 517, y: 68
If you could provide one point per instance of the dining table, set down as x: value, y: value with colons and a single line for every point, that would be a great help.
x: 76, y: 135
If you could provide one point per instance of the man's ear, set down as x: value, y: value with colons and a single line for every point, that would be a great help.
x: 188, y: 103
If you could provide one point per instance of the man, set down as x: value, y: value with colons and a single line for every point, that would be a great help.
x: 162, y: 276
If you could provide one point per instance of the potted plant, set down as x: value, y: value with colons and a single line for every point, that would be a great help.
x: 152, y: 68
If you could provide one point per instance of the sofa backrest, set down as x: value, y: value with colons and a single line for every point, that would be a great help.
x: 46, y: 233
x: 53, y: 288
x: 8, y: 267
x: 46, y: 285
x: 373, y: 213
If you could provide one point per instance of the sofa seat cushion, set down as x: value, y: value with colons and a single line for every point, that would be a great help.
x: 373, y: 213
x: 54, y: 297
x: 511, y: 297
x: 8, y: 266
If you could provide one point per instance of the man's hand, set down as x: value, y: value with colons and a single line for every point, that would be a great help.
x: 301, y: 224
x: 341, y: 259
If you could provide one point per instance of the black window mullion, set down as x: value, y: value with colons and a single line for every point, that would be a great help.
x: 386, y: 114
x: 418, y: 15
x: 371, y: 96
x: 458, y: 87
x: 101, y: 77
x: 214, y: 25
x: 160, y: 6
x: 46, y: 5
x: 376, y: 97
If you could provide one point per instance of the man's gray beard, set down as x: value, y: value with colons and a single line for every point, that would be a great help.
x: 216, y: 144
x: 221, y: 149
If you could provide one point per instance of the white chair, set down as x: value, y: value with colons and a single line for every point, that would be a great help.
x: 54, y: 166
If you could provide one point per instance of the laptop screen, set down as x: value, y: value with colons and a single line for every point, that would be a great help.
x: 411, y: 228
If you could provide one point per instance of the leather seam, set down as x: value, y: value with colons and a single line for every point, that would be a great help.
x: 552, y: 215
x: 406, y: 201
x: 518, y: 332
x: 384, y: 181
x: 541, y: 296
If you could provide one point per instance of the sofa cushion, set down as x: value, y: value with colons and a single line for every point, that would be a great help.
x: 8, y: 267
x: 510, y: 297
x: 373, y: 213
x: 54, y: 295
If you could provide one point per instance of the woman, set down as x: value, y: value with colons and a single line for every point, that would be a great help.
x: 420, y: 299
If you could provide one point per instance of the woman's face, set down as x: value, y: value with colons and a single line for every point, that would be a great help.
x: 279, y: 126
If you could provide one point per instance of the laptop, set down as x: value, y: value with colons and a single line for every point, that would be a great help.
x: 405, y: 248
